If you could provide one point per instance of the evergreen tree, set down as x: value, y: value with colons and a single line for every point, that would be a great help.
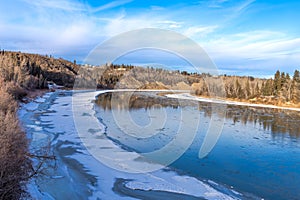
x: 295, y: 89
x: 296, y: 76
x: 282, y: 79
x: 267, y: 89
x: 288, y: 77
x: 277, y: 82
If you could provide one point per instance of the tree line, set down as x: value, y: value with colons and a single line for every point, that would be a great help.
x: 281, y: 88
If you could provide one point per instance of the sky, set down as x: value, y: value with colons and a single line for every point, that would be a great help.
x: 242, y: 37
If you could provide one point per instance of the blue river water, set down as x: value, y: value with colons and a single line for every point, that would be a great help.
x: 258, y: 152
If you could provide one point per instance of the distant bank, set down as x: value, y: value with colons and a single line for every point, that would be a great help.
x: 33, y: 71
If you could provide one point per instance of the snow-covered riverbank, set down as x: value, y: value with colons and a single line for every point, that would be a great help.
x: 78, y: 174
x: 188, y: 96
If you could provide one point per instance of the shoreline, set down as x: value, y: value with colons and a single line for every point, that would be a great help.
x: 184, y: 94
x: 229, y: 101
x: 42, y: 133
x: 32, y: 95
x: 189, y: 96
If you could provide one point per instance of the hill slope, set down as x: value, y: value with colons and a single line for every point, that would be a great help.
x: 32, y: 71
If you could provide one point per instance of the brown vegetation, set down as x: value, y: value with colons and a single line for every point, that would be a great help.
x: 282, y: 90
x: 130, y: 77
x: 20, y: 73
x: 32, y: 71
x: 14, y: 164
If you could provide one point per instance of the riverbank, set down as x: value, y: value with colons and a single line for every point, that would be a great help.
x: 44, y: 122
x: 189, y: 96
x: 184, y: 94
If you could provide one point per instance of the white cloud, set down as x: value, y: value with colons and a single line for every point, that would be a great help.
x: 111, y: 5
x: 68, y: 5
x: 255, y: 50
x: 123, y: 24
x: 256, y: 43
x: 76, y: 33
x: 244, y: 5
x: 171, y: 24
x: 233, y: 12
x: 58, y: 4
x: 199, y: 31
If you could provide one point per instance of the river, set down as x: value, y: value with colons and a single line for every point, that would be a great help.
x: 256, y: 154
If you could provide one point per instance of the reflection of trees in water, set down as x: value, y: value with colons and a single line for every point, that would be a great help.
x: 277, y: 121
x: 136, y: 100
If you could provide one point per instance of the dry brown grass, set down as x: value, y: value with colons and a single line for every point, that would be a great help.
x: 14, y: 164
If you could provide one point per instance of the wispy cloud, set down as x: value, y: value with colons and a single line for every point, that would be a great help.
x: 255, y: 49
x: 171, y: 24
x: 244, y: 5
x: 199, y: 31
x: 110, y: 5
x: 234, y: 12
x: 122, y: 24
x: 58, y: 4
x: 68, y: 5
x: 125, y: 23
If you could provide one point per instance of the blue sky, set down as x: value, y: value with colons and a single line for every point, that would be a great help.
x: 244, y: 37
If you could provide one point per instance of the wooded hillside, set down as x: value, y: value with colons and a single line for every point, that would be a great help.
x: 283, y: 89
x: 32, y: 71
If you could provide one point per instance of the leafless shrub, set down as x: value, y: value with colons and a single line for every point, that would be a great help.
x: 14, y: 164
